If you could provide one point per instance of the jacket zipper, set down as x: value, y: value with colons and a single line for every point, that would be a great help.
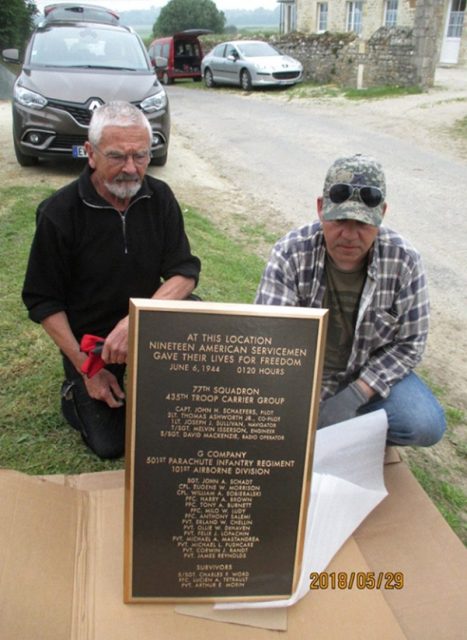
x: 122, y: 215
x: 123, y: 219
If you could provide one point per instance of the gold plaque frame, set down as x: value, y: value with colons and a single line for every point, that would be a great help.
x: 222, y: 404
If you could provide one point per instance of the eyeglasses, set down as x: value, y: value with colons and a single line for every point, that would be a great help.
x: 119, y: 159
x: 370, y: 196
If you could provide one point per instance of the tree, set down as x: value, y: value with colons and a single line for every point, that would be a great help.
x: 178, y: 15
x: 16, y: 22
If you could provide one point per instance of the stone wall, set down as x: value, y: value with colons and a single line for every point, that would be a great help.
x: 326, y: 57
x: 390, y: 58
x: 387, y: 58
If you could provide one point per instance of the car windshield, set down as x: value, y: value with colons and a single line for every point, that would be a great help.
x: 257, y: 50
x: 87, y: 46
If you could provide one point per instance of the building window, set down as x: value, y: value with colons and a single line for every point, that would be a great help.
x: 456, y: 19
x: 390, y: 13
x: 354, y: 16
x: 322, y: 17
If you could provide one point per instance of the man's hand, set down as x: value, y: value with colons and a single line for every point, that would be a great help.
x: 104, y: 386
x: 343, y: 406
x: 115, y: 349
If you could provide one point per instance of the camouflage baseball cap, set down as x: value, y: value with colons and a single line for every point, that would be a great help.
x: 357, y: 171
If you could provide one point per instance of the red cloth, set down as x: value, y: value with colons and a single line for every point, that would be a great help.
x: 93, y: 363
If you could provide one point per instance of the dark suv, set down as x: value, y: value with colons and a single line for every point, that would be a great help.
x: 78, y: 58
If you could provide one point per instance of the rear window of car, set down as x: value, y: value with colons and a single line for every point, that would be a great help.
x: 87, y: 46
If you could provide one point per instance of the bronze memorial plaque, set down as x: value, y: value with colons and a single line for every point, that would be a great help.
x: 222, y: 401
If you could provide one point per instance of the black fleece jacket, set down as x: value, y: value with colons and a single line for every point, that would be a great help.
x: 88, y: 259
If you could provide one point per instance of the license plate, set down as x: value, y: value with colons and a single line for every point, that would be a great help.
x: 78, y: 151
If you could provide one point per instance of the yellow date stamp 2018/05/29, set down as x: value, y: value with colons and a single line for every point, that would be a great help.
x: 356, y: 580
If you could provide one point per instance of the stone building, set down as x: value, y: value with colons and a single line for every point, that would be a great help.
x: 364, y: 17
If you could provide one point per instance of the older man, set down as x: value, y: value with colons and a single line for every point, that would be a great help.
x: 373, y: 283
x: 113, y: 234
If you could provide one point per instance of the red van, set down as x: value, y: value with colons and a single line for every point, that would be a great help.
x: 178, y: 56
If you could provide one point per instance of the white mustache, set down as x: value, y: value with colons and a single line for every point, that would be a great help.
x: 127, y: 177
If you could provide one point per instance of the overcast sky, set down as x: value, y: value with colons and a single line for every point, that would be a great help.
x: 126, y: 5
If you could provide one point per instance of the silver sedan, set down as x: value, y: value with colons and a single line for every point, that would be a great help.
x: 249, y: 63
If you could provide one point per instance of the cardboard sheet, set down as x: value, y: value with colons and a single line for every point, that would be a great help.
x: 407, y: 533
x: 91, y: 605
x: 40, y: 525
x: 61, y: 571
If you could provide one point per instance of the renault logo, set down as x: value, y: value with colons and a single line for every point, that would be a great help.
x: 94, y: 104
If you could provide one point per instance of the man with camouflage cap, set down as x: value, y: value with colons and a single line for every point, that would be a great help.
x: 373, y: 283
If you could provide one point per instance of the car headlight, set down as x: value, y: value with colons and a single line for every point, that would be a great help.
x: 156, y: 102
x: 28, y: 98
x: 262, y: 67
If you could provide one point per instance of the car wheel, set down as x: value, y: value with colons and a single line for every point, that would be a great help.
x: 166, y: 79
x: 160, y: 161
x: 208, y: 79
x: 245, y: 80
x: 24, y: 160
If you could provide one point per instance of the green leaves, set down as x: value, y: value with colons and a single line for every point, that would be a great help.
x: 16, y: 22
x: 179, y: 15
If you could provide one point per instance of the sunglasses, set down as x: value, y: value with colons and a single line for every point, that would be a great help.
x: 370, y: 196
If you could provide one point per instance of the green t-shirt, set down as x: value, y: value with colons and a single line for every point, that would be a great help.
x: 341, y: 297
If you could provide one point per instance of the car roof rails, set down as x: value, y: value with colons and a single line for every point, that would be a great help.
x: 66, y: 12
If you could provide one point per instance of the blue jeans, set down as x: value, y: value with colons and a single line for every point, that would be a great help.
x: 415, y: 417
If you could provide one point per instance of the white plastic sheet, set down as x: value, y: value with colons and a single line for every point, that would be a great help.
x: 347, y: 485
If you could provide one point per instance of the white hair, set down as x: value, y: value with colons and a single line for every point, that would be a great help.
x: 117, y: 114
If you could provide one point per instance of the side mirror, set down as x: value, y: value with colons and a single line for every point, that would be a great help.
x: 233, y: 57
x: 10, y: 55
